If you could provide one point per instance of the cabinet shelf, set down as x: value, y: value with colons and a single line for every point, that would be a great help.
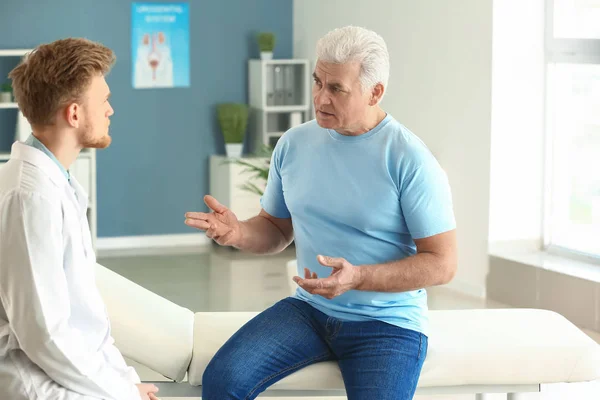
x: 279, y: 97
x: 14, y: 52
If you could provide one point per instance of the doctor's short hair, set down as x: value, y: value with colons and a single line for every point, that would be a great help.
x: 56, y: 74
x: 356, y: 44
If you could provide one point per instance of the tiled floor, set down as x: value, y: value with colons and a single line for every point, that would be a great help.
x: 217, y: 279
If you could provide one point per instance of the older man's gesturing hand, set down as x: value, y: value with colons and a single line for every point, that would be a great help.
x: 344, y: 277
x: 221, y: 225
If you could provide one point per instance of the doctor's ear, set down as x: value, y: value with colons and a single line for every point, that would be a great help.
x: 73, y: 115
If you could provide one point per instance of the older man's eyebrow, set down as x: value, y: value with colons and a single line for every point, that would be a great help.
x: 331, y: 85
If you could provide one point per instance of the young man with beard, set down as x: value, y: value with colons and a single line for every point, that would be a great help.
x: 55, y: 340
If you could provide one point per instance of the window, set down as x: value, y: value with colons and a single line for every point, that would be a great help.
x: 572, y: 168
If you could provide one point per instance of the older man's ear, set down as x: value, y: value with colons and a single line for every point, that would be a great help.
x: 376, y: 94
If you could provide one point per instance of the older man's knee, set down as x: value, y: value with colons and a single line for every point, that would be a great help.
x: 226, y: 379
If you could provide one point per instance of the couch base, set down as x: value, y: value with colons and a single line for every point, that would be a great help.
x: 173, y: 389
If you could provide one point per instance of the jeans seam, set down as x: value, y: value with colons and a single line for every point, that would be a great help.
x: 328, y: 328
x: 415, y: 377
x: 298, y: 365
x: 338, y: 326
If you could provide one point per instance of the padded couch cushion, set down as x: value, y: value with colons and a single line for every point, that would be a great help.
x: 146, y: 327
x: 466, y: 347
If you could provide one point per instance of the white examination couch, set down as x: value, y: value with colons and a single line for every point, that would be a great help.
x: 510, y: 351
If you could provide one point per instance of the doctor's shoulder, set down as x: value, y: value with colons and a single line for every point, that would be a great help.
x: 28, y: 191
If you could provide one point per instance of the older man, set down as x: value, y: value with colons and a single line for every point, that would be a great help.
x: 370, y: 211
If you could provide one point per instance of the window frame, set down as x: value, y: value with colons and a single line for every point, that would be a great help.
x: 568, y: 51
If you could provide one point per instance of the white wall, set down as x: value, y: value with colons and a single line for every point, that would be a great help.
x: 440, y: 88
x: 517, y: 121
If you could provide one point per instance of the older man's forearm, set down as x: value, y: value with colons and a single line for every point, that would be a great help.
x: 261, y: 236
x: 416, y: 272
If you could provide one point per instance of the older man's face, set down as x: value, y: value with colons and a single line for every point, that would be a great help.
x: 340, y: 103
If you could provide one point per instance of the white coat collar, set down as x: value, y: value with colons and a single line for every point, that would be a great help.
x: 23, y: 152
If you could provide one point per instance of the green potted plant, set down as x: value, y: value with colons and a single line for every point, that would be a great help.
x: 266, y: 44
x: 233, y: 119
x: 6, y: 93
x: 258, y: 170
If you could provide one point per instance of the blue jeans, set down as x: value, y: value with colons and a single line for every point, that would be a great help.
x: 377, y: 360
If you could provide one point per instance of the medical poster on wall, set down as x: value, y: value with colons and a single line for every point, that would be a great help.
x: 160, y: 45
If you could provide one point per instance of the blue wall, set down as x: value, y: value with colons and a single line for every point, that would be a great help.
x: 157, y: 166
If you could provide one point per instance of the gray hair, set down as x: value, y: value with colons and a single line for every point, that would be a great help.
x: 355, y: 44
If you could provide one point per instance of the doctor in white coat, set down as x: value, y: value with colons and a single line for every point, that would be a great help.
x: 55, y: 339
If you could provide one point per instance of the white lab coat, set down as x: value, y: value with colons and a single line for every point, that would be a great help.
x: 55, y: 340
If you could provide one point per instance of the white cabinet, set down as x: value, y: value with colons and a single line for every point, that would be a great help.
x: 15, y: 56
x: 81, y: 171
x: 244, y: 282
x: 84, y: 170
x: 226, y: 185
x: 280, y: 98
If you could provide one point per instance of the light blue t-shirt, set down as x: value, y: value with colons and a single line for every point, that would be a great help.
x: 364, y: 198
